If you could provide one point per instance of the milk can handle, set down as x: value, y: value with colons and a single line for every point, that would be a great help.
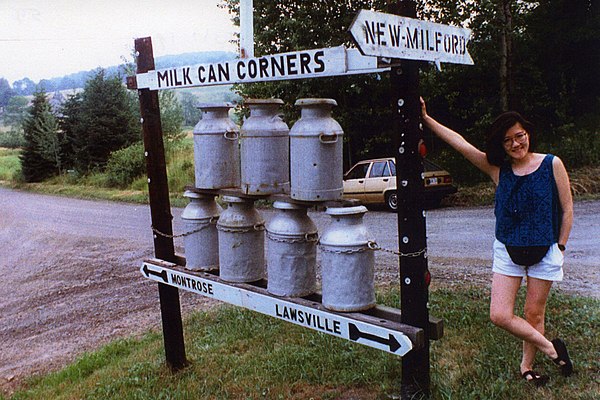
x: 311, y: 237
x: 328, y: 139
x: 230, y: 135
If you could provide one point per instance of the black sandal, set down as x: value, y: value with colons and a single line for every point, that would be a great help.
x: 535, y: 378
x: 563, y: 360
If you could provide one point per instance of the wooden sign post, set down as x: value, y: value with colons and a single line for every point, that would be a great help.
x: 412, y: 238
x: 160, y: 207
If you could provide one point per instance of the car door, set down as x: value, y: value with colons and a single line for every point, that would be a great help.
x: 354, y: 181
x: 379, y: 179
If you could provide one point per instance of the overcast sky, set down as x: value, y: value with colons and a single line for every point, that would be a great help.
x: 42, y: 39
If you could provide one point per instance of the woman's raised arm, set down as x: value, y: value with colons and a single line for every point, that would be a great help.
x: 460, y: 144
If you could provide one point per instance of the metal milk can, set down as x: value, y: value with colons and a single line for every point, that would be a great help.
x: 265, y: 149
x: 201, y: 241
x: 241, y: 241
x: 347, y: 261
x: 291, y: 251
x: 316, y: 152
x: 216, y: 148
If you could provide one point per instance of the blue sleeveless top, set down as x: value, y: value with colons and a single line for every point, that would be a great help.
x: 527, y: 207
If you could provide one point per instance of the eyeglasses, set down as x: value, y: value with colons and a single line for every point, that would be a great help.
x: 520, y: 137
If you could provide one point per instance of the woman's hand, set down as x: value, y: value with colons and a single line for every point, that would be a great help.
x: 423, y: 109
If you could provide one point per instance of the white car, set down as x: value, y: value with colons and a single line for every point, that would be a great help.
x: 374, y: 182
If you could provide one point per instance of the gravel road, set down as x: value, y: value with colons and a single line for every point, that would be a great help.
x: 70, y: 276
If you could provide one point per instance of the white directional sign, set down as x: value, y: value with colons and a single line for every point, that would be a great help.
x: 316, y: 63
x: 368, y: 333
x: 394, y: 36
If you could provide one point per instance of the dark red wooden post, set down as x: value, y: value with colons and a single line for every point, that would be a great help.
x: 160, y: 208
x: 414, y: 273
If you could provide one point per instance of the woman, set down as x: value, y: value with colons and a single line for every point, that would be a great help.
x: 534, y: 215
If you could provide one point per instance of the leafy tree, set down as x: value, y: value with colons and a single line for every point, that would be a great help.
x: 14, y: 115
x: 6, y: 92
x: 191, y: 113
x: 15, y: 111
x: 540, y: 61
x: 125, y: 165
x: 24, y: 87
x: 171, y: 116
x: 47, y: 85
x: 99, y: 121
x: 564, y: 42
x: 40, y: 157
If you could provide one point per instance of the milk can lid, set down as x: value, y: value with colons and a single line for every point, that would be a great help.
x: 193, y: 195
x: 234, y: 199
x: 346, y: 210
x: 263, y: 101
x: 284, y: 205
x: 207, y: 106
x: 315, y: 102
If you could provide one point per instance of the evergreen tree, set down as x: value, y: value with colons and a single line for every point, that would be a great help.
x: 40, y: 157
x: 104, y: 118
x: 69, y: 122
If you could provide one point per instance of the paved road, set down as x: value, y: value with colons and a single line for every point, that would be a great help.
x: 452, y: 233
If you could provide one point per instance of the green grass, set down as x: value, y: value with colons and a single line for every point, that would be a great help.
x: 238, y: 354
x: 10, y: 164
x: 180, y: 173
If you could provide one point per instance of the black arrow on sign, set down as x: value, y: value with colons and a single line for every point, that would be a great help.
x: 162, y: 273
x: 356, y: 334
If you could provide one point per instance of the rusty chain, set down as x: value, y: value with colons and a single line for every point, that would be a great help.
x: 256, y: 227
x: 308, y: 238
x: 212, y: 221
x: 372, y: 245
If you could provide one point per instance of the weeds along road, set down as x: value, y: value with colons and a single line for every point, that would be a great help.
x: 70, y: 280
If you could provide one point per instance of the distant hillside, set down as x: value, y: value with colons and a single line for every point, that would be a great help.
x: 193, y: 58
x: 77, y: 80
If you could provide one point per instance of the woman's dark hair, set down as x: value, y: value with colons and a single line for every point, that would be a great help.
x: 494, y: 150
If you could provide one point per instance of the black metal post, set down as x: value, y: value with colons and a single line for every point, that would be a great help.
x: 160, y: 208
x: 414, y: 273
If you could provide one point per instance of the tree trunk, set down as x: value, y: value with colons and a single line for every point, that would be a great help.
x: 506, y: 84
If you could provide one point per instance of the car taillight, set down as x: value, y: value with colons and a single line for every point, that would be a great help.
x: 447, y: 179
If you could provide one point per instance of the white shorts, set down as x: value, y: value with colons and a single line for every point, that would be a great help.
x: 549, y: 269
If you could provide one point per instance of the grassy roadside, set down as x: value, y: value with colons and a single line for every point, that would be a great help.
x: 238, y: 354
x: 94, y: 187
x: 9, y: 164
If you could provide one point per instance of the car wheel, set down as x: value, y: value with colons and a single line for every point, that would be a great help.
x: 391, y: 201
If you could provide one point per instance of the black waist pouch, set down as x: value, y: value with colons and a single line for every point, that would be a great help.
x: 527, y: 255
